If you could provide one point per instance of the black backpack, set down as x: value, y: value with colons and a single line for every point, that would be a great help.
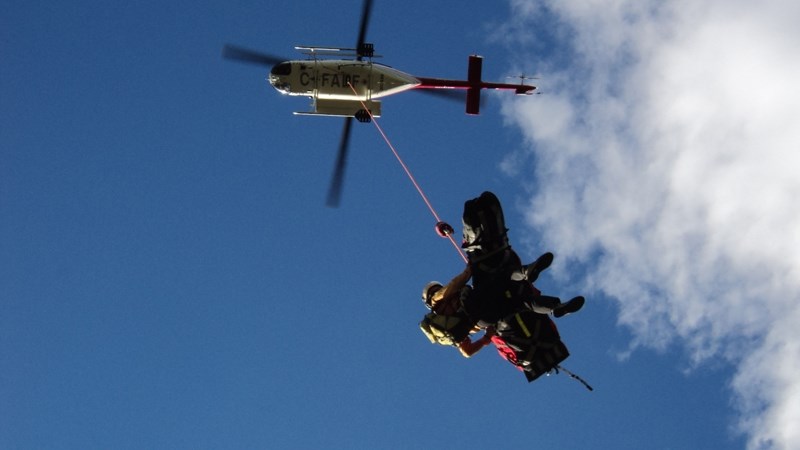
x: 535, y: 342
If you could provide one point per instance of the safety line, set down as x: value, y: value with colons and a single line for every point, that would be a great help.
x: 410, y: 175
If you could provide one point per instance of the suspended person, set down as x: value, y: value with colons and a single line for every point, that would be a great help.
x: 448, y: 323
x: 503, y: 300
x: 527, y: 339
x: 524, y: 334
x: 496, y: 267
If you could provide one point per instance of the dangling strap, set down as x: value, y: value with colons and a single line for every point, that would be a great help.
x: 575, y: 377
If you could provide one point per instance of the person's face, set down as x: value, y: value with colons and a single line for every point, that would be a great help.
x: 429, y: 296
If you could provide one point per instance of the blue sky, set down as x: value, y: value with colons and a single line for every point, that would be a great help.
x: 171, y: 278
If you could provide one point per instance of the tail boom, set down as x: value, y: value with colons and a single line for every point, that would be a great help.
x: 473, y: 84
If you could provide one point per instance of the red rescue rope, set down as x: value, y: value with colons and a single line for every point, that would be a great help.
x: 448, y: 235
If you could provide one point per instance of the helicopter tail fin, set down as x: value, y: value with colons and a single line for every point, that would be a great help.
x: 473, y: 101
x: 474, y: 72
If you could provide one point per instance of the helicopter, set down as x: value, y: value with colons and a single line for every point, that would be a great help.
x: 346, y: 82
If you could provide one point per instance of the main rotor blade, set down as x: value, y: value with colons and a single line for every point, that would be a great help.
x: 362, y: 31
x: 250, y: 56
x: 335, y: 191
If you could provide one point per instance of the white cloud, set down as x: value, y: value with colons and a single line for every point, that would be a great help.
x: 667, y: 145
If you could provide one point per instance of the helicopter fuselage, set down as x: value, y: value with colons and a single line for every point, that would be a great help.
x: 333, y: 79
x: 353, y: 88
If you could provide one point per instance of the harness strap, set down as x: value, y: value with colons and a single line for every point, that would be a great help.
x: 491, y: 253
x: 536, y: 344
x: 494, y: 267
x: 522, y: 325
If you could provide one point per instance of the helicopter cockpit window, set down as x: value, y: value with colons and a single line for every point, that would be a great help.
x: 282, y: 69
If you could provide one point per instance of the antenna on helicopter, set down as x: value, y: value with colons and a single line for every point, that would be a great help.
x: 522, y: 77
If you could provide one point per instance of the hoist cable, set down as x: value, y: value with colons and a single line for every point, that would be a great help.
x: 409, y: 174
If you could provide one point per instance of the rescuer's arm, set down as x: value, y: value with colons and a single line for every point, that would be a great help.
x: 469, y: 348
x: 453, y: 287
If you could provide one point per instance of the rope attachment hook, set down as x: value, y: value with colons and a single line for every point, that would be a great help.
x: 444, y: 229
